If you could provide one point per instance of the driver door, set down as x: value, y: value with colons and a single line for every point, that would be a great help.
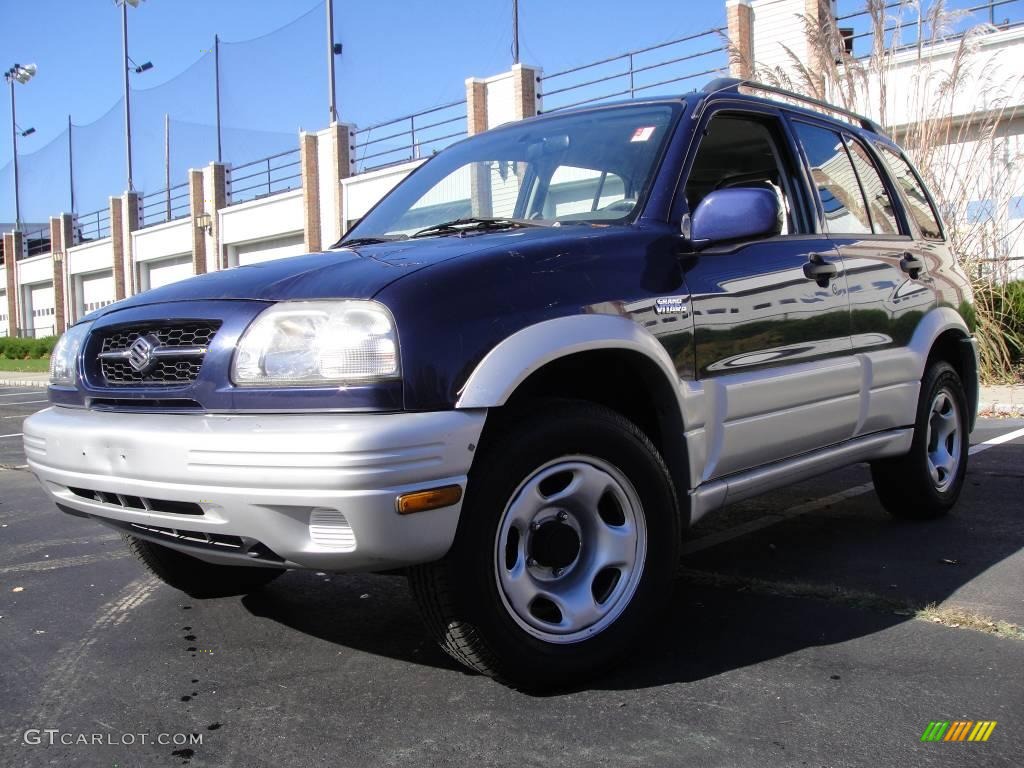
x: 772, y: 345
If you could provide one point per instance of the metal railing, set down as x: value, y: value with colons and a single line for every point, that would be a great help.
x: 165, y: 205
x: 703, y: 54
x: 93, y: 226
x: 37, y: 241
x: 913, y: 23
x: 263, y: 177
x: 409, y: 137
x: 37, y: 332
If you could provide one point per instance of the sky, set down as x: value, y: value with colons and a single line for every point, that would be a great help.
x: 399, y: 57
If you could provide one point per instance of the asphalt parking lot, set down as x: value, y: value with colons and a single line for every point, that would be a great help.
x: 798, y: 635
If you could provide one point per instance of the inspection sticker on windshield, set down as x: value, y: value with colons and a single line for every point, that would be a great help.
x: 643, y: 134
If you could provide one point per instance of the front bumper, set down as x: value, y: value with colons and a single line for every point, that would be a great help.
x: 316, y: 490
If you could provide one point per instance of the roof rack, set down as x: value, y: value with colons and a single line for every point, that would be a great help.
x: 723, y: 84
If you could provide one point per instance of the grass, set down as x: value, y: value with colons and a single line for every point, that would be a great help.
x: 960, y: 619
x: 25, y: 366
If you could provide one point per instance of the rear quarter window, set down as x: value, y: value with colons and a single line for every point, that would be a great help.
x: 918, y: 204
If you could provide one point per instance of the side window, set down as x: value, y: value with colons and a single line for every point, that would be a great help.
x: 582, y: 190
x: 739, y: 151
x: 883, y: 217
x: 835, y: 180
x: 913, y: 192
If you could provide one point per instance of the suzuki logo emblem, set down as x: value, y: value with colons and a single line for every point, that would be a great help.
x: 140, y: 353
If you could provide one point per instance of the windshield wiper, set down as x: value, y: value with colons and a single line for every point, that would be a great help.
x: 367, y: 241
x: 473, y: 223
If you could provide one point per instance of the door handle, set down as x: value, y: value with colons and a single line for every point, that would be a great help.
x: 911, y: 265
x: 819, y: 270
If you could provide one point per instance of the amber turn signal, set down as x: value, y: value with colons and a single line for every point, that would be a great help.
x: 421, y: 501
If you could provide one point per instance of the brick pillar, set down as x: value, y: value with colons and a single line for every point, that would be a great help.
x: 739, y: 18
x: 476, y: 106
x: 117, y: 245
x: 524, y: 88
x: 129, y: 223
x: 12, y: 247
x: 215, y: 187
x: 57, y: 259
x: 310, y: 191
x: 476, y: 122
x: 196, y: 208
x: 67, y: 240
x: 819, y: 12
x: 344, y: 160
x: 335, y: 152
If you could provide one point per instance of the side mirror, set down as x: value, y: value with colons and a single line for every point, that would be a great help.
x: 735, y: 214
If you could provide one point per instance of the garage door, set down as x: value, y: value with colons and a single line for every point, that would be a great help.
x: 97, y: 291
x: 40, y: 309
x: 164, y: 271
x: 265, y: 250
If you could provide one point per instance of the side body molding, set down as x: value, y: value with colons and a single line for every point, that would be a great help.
x: 890, y: 379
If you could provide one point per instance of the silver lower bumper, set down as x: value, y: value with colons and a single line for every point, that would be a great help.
x: 317, y: 489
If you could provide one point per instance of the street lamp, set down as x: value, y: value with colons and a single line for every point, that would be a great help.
x: 20, y: 73
x: 127, y: 95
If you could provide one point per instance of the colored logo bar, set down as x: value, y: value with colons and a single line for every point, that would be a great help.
x: 958, y: 730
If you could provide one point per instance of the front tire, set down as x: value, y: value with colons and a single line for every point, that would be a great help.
x: 566, y: 547
x: 925, y: 483
x: 196, y: 577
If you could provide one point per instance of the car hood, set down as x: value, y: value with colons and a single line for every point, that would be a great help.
x: 358, y: 272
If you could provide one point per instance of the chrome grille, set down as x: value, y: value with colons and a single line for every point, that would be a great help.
x: 167, y: 355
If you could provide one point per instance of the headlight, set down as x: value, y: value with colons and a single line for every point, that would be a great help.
x: 64, y: 358
x: 315, y: 343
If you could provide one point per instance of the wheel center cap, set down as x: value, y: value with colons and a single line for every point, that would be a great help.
x: 555, y: 545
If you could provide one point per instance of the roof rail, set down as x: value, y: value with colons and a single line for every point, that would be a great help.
x: 723, y: 84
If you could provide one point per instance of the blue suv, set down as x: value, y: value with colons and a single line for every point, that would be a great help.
x: 531, y: 368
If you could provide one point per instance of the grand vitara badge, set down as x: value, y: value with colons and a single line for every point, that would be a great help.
x: 140, y: 353
x: 671, y: 305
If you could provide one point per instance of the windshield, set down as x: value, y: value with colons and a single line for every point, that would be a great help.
x: 593, y: 166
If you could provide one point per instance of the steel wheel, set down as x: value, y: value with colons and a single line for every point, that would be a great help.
x: 566, y: 547
x: 943, y: 440
x: 570, y: 549
x: 925, y: 482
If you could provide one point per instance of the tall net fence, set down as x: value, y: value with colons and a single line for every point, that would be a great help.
x: 177, y: 126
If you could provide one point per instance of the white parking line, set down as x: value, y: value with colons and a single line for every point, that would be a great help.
x: 996, y: 441
x: 13, y: 434
x: 714, y: 539
x: 25, y: 402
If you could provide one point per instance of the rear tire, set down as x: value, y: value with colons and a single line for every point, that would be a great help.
x: 925, y: 483
x: 196, y: 577
x: 566, y: 547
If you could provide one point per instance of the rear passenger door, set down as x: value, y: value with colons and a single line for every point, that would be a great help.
x: 772, y: 341
x: 888, y: 280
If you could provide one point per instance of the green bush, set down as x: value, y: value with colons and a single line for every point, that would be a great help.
x: 45, y: 346
x: 14, y: 348
x: 1008, y: 306
x: 17, y: 349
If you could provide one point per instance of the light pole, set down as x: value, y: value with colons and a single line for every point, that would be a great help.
x: 22, y: 74
x: 127, y: 93
x: 333, y: 49
x: 515, y: 31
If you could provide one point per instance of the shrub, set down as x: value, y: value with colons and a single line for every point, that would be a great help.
x: 17, y: 349
x: 1009, y: 307
x: 14, y: 348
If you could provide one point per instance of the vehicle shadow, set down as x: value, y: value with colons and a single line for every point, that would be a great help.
x: 817, y: 580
